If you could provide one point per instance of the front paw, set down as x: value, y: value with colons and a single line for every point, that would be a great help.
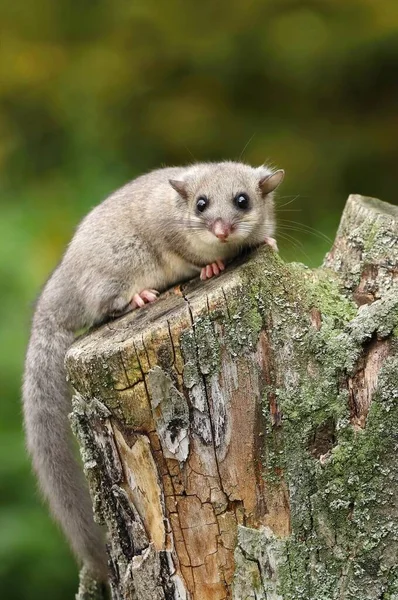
x: 271, y: 242
x: 143, y: 298
x: 214, y: 268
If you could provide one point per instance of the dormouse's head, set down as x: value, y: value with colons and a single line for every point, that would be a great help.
x: 228, y: 203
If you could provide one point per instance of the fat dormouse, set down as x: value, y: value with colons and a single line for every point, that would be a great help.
x: 156, y: 231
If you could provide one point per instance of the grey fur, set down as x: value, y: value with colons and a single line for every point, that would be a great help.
x: 145, y: 235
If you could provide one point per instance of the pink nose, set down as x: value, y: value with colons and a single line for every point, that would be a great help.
x: 221, y: 230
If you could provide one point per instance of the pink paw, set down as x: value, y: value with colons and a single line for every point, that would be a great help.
x: 213, y: 269
x: 143, y: 298
x: 271, y: 242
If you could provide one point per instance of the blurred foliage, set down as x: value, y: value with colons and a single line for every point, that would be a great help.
x: 95, y: 92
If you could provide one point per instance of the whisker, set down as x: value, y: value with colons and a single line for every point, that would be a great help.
x: 286, y: 203
x: 317, y: 235
x: 190, y: 225
x: 292, y: 199
x: 293, y: 242
x: 246, y: 145
x: 246, y: 222
x: 243, y: 229
x: 188, y: 150
x: 291, y: 237
x: 297, y: 226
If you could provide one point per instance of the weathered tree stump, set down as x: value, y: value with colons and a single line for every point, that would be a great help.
x: 240, y: 435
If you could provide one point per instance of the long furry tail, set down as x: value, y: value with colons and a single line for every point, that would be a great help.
x: 47, y: 402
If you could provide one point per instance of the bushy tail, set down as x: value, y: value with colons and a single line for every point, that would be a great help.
x: 47, y: 402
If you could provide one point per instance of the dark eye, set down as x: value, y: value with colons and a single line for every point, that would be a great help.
x: 202, y: 203
x: 241, y: 201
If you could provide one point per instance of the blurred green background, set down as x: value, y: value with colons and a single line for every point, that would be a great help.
x: 95, y: 92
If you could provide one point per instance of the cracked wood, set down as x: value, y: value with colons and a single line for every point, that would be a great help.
x: 215, y: 426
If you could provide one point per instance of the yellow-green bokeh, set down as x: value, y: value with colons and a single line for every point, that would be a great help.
x: 94, y: 93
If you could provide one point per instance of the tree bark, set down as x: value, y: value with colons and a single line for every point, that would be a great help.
x: 240, y: 435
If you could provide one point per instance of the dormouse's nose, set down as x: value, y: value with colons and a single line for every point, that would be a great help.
x: 221, y: 229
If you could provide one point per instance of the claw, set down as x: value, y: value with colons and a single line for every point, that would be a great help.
x: 138, y: 301
x: 148, y: 295
x: 216, y: 270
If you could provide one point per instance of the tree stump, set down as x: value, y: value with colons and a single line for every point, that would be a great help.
x: 240, y: 435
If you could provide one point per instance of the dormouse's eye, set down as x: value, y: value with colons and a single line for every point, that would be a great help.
x: 201, y: 203
x: 241, y: 201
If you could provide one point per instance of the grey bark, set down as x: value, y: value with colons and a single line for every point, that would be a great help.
x: 240, y: 436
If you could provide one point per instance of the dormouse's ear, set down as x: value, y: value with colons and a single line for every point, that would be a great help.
x: 269, y: 183
x: 180, y: 187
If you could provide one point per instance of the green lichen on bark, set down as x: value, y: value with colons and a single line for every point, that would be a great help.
x: 191, y: 372
x: 81, y: 422
x: 341, y: 478
x: 366, y: 243
x: 344, y: 519
x: 344, y: 540
x: 207, y: 344
x: 89, y: 588
x: 258, y: 555
x: 244, y: 321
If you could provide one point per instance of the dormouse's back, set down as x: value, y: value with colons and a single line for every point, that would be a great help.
x: 138, y: 205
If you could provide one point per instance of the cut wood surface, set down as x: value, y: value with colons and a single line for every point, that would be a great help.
x: 240, y: 435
